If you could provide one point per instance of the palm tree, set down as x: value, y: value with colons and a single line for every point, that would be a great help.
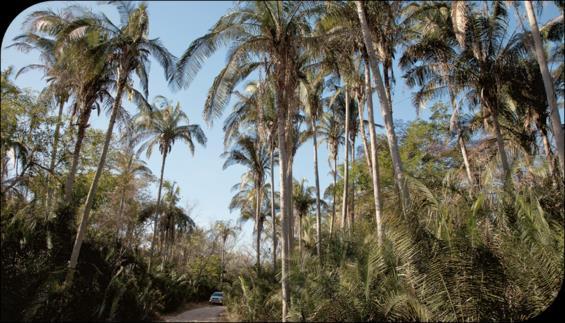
x: 128, y: 50
x: 162, y: 126
x: 548, y: 85
x: 331, y: 131
x: 57, y: 76
x: 303, y: 202
x: 129, y: 167
x: 312, y: 86
x: 487, y: 65
x: 249, y: 152
x: 435, y: 50
x: 259, y: 33
x: 384, y: 97
x: 225, y: 230
x: 257, y: 111
x: 83, y: 58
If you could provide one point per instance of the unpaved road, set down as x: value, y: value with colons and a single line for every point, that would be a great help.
x: 212, y: 313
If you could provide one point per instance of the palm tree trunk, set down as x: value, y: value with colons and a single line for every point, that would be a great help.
x: 460, y: 136
x: 258, y: 224
x: 374, y: 158
x: 222, y: 262
x: 317, y: 179
x: 273, y: 213
x: 361, y: 104
x: 548, y: 85
x: 290, y: 202
x: 466, y: 159
x: 352, y: 199
x: 282, y: 108
x: 345, y: 165
x: 158, y: 210
x: 83, y: 124
x: 93, y: 187
x: 54, y: 156
x: 501, y: 149
x: 300, y: 237
x: 334, y: 195
x: 547, y: 148
x: 386, y: 108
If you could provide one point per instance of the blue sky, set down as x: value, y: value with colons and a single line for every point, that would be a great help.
x: 200, y: 177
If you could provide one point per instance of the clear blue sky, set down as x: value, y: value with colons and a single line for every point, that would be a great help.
x: 200, y: 177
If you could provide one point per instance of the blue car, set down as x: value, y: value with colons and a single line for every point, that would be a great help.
x: 217, y: 298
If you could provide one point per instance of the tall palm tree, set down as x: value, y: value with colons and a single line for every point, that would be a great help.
x: 258, y: 32
x: 82, y: 55
x: 163, y: 125
x: 331, y: 132
x: 435, y: 50
x: 252, y: 112
x: 127, y: 49
x: 548, y: 85
x: 226, y: 230
x: 384, y: 96
x: 129, y: 167
x: 312, y: 86
x: 303, y: 203
x: 59, y: 87
x: 251, y: 153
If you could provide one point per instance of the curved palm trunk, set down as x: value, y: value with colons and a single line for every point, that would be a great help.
x: 158, y: 210
x: 377, y: 196
x: 258, y: 224
x: 83, y: 124
x: 54, y: 157
x: 548, y: 85
x: 93, y: 187
x: 345, y: 165
x: 273, y: 213
x: 386, y: 108
x: 317, y: 179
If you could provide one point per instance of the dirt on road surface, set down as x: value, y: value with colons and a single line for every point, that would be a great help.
x: 210, y: 313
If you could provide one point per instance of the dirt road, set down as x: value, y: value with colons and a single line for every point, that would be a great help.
x: 212, y: 313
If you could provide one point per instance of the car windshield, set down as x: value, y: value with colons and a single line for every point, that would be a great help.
x: 218, y: 294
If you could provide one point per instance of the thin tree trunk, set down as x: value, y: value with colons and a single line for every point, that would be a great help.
x: 386, y: 108
x: 466, y: 159
x: 158, y: 210
x: 460, y: 139
x: 345, y: 165
x: 334, y: 195
x: 547, y: 148
x: 83, y: 124
x: 501, y: 149
x: 257, y: 223
x: 317, y: 179
x: 374, y: 157
x: 93, y: 187
x: 282, y: 108
x: 300, y: 238
x: 361, y: 104
x: 54, y: 156
x: 352, y: 199
x: 222, y: 262
x: 548, y: 85
x: 273, y: 213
